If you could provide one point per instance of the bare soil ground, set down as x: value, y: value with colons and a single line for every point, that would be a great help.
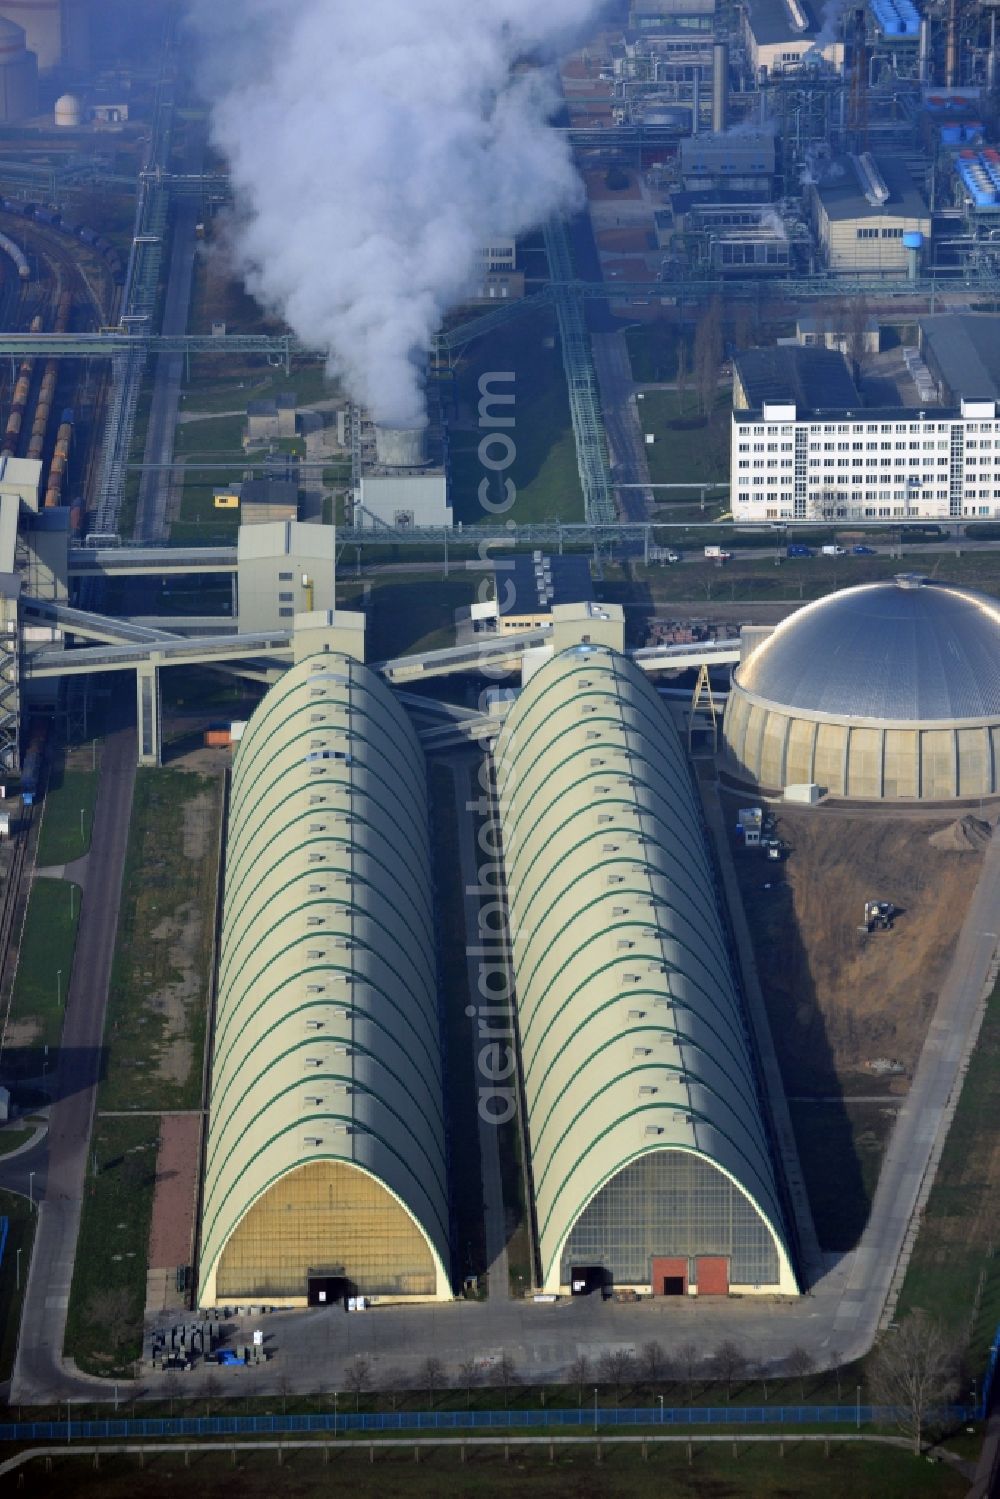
x: 171, y: 1232
x: 637, y: 241
x: 839, y: 1002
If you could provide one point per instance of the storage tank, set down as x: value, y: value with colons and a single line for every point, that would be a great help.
x: 401, y: 447
x: 42, y: 23
x: 913, y: 242
x: 68, y: 112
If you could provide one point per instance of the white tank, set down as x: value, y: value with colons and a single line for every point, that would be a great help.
x: 42, y: 22
x: 69, y: 114
x: 401, y: 447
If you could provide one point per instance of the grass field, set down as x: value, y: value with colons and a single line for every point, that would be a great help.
x: 411, y: 613
x: 802, y: 1470
x: 13, y: 1139
x: 465, y: 1166
x: 14, y: 1277
x: 687, y: 446
x: 43, y: 970
x: 954, y: 1271
x: 67, y: 794
x: 158, y: 1000
x: 108, y: 1295
x: 652, y: 349
x: 543, y: 470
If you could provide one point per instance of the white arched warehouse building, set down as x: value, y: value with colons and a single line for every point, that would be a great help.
x: 325, y: 1161
x: 649, y: 1156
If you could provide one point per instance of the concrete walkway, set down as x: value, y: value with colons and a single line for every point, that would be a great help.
x: 495, y: 1219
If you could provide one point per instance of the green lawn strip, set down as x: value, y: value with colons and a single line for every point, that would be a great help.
x: 954, y: 1271
x: 108, y: 1294
x: 460, y: 1100
x: 157, y: 1006
x: 67, y: 794
x: 415, y: 612
x: 43, y: 970
x: 212, y: 394
x: 841, y: 1146
x: 13, y: 1139
x: 710, y: 1471
x: 20, y: 1236
x: 215, y: 435
x: 687, y: 447
x: 543, y: 468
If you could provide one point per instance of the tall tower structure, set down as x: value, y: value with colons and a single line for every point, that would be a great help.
x: 42, y: 21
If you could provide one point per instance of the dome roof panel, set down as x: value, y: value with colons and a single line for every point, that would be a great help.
x: 904, y: 650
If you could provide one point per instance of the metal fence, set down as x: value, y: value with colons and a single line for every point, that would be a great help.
x: 587, y: 1419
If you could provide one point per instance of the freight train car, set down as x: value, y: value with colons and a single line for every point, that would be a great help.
x: 60, y: 460
x: 17, y: 255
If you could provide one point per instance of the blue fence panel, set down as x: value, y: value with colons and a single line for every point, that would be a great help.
x: 586, y: 1419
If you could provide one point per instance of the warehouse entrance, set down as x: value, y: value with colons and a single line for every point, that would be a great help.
x: 712, y: 1272
x: 328, y: 1290
x: 587, y: 1278
x: 670, y: 1275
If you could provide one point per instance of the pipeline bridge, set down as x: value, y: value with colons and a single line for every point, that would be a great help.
x: 117, y: 645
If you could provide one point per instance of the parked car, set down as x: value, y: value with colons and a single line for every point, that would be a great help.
x: 860, y: 551
x: 797, y: 549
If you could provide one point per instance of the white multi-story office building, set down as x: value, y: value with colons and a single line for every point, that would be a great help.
x: 789, y: 463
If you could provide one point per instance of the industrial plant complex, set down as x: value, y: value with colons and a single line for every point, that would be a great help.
x: 499, y: 719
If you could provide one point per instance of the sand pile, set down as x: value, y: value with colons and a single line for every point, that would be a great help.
x: 967, y: 835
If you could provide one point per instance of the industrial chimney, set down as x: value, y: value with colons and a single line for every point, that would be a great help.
x: 401, y: 447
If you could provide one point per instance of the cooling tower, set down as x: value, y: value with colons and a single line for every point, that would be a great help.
x: 401, y: 447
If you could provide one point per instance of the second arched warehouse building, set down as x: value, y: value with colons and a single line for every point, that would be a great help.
x: 883, y: 691
x: 650, y: 1160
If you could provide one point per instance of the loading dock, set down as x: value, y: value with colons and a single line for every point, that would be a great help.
x: 669, y: 1275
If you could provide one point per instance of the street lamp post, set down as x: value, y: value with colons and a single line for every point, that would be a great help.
x: 82, y: 834
x: 336, y: 1396
x: 59, y: 988
x: 858, y: 1409
x: 17, y: 1270
x: 661, y: 1410
x: 31, y: 1191
x: 595, y: 1407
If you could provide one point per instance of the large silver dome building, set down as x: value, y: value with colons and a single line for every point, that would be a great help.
x: 884, y: 691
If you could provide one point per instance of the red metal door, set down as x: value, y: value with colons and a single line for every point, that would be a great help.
x: 713, y: 1275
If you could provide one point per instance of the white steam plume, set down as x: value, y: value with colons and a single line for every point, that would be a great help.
x: 374, y: 147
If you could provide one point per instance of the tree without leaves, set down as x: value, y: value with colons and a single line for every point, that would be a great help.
x: 111, y: 1307
x: 210, y: 1389
x: 729, y: 1362
x: 681, y: 376
x: 915, y: 1369
x: 687, y: 1357
x: 615, y: 1366
x: 358, y: 1376
x: 431, y: 1376
x: 708, y: 345
x: 469, y: 1372
x: 579, y: 1373
x: 653, y: 1362
x: 507, y: 1372
x: 835, y: 1357
x: 800, y: 1364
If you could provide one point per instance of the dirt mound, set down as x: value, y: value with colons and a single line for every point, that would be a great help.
x: 967, y: 835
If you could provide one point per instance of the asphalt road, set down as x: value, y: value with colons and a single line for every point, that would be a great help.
x: 626, y: 444
x: 61, y: 1161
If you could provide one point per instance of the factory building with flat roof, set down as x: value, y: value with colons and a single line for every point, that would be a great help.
x: 649, y: 1155
x: 325, y: 1159
x: 887, y: 691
